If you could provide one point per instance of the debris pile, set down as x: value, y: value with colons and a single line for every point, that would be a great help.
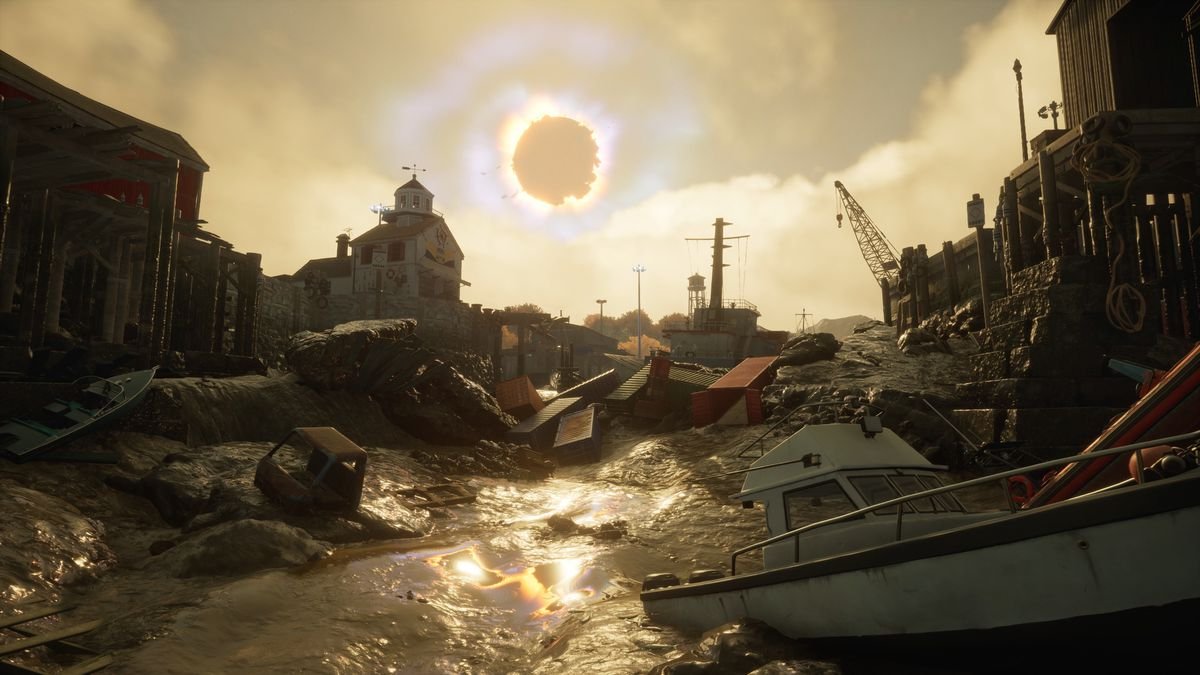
x: 488, y: 458
x: 418, y: 391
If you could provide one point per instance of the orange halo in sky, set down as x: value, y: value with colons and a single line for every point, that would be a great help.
x: 510, y: 134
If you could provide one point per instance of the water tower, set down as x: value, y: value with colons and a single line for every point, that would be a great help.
x: 695, y: 296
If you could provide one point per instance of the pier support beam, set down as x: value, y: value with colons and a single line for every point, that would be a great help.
x: 1051, y: 232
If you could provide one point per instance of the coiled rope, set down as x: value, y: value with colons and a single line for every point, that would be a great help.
x: 1124, y: 305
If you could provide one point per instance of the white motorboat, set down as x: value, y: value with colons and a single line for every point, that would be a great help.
x: 868, y: 544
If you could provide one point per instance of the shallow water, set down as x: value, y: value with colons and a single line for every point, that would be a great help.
x: 496, y: 591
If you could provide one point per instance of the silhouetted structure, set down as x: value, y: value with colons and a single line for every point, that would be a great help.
x: 100, y: 229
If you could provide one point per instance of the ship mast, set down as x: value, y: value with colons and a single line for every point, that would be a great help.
x: 713, y: 315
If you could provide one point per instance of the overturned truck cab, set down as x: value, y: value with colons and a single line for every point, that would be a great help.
x: 331, y: 479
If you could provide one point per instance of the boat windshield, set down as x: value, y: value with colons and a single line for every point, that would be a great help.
x: 814, y: 503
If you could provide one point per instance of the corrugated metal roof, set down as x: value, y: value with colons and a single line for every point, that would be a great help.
x: 594, y: 389
x: 696, y: 377
x: 745, y: 373
x: 549, y: 413
x: 631, y: 386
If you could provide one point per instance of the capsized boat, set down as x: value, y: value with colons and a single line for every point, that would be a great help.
x: 94, y: 401
x: 868, y: 544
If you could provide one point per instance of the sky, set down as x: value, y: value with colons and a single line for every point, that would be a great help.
x: 307, y: 110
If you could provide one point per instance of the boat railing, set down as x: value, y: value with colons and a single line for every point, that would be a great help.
x: 1135, y: 448
x: 758, y: 442
x: 115, y: 392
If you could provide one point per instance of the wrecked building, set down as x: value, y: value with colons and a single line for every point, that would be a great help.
x: 101, y: 234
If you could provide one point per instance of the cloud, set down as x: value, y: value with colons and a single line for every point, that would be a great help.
x: 306, y: 112
x: 965, y: 141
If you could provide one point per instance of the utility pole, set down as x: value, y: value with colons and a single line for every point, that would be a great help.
x: 639, y: 268
x: 601, y: 326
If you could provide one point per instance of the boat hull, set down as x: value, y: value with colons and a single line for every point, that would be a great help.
x: 1082, y: 561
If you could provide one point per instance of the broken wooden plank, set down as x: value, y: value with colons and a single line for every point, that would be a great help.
x: 8, y: 621
x: 89, y: 666
x: 52, y: 636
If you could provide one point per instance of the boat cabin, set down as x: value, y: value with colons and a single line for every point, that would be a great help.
x: 826, y: 470
x: 331, y: 478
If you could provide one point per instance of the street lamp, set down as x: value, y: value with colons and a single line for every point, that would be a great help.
x: 601, y: 303
x: 639, y: 268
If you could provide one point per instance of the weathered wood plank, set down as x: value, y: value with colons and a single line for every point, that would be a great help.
x: 8, y: 621
x: 52, y: 636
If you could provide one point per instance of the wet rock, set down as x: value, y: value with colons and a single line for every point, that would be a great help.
x: 45, y: 542
x: 808, y: 348
x: 798, y: 668
x: 741, y: 647
x: 334, y: 358
x: 866, y: 326
x: 445, y: 408
x: 418, y: 391
x: 242, y: 547
x: 918, y: 341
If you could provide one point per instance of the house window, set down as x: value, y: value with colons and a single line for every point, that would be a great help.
x: 395, y: 251
x: 416, y: 201
x: 815, y: 503
x: 364, y: 258
x: 403, y: 200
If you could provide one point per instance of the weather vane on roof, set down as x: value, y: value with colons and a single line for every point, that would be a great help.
x: 412, y: 168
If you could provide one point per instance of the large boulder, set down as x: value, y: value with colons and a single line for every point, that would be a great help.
x: 419, y: 391
x: 808, y: 348
x: 446, y: 408
x: 242, y: 547
x: 335, y: 358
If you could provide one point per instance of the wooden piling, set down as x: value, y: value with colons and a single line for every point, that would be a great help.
x: 983, y: 244
x: 148, y: 291
x: 121, y: 313
x: 48, y: 254
x: 108, y: 313
x: 951, y: 265
x: 207, y: 286
x: 886, y: 287
x: 222, y: 304
x: 166, y: 260
x: 30, y: 263
x: 1175, y: 216
x: 8, y: 156
x: 54, y: 289
x: 1051, y: 231
x: 10, y: 263
x: 1012, y: 229
x: 1097, y: 224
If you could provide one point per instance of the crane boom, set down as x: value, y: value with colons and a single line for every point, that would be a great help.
x: 879, y: 253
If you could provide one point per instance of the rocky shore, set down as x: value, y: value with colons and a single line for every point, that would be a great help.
x: 178, y: 512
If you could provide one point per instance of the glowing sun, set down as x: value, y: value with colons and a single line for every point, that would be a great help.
x: 555, y: 159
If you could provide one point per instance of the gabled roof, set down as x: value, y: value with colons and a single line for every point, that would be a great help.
x: 154, y: 138
x: 416, y: 224
x: 331, y: 268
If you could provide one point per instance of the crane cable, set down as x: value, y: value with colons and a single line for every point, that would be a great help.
x: 1124, y: 305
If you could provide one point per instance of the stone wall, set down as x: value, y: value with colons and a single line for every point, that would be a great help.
x: 285, y: 309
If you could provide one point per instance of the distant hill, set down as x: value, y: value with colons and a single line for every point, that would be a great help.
x: 839, y: 327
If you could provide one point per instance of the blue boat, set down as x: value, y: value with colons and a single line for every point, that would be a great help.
x: 95, y: 402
